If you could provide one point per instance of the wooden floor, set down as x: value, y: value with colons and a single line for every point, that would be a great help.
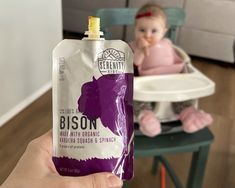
x: 37, y: 119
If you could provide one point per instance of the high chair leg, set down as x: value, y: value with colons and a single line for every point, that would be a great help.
x: 171, y: 172
x: 155, y: 166
x: 163, y: 176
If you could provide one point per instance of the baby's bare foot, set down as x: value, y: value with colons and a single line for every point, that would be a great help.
x: 149, y: 124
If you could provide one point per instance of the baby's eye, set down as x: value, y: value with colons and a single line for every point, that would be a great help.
x: 142, y: 30
x: 154, y: 30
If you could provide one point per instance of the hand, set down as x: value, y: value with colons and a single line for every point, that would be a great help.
x: 35, y: 169
x: 143, y: 45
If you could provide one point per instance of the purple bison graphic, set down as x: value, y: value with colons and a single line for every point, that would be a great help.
x: 110, y: 99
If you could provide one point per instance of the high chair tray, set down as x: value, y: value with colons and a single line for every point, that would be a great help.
x: 174, y: 87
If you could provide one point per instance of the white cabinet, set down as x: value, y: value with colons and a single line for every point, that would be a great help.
x: 209, y: 29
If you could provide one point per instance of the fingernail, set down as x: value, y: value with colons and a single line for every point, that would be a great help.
x: 114, y: 181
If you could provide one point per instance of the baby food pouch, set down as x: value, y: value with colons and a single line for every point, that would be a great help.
x: 92, y: 106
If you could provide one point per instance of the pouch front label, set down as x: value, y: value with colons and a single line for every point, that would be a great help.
x: 93, y: 113
x: 80, y: 137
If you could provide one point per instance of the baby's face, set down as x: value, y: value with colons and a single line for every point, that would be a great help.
x: 152, y: 29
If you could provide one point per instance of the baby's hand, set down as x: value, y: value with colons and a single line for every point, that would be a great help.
x: 144, y: 45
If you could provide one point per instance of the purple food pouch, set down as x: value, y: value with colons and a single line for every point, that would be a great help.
x: 92, y: 107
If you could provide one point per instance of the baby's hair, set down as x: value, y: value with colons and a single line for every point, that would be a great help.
x: 151, y: 10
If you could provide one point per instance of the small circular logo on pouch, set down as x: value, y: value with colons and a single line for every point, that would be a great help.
x: 111, y: 61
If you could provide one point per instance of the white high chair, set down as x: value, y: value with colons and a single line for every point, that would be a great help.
x: 191, y: 85
x: 164, y: 89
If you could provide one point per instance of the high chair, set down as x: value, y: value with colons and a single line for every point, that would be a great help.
x: 197, y: 143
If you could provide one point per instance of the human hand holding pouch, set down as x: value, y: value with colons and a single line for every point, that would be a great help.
x: 92, y: 106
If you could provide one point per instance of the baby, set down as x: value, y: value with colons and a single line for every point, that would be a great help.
x: 155, y: 55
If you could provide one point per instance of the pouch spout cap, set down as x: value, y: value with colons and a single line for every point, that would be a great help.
x: 93, y: 28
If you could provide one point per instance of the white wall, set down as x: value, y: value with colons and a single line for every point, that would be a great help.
x: 29, y: 30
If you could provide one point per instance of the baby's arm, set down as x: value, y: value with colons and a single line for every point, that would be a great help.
x: 138, y: 54
x: 138, y: 57
x: 177, y: 59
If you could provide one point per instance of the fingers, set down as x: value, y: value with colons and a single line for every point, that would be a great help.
x: 39, y: 154
x: 142, y: 43
x: 98, y: 180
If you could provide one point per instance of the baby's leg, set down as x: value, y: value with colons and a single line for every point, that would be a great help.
x: 194, y: 119
x: 149, y: 124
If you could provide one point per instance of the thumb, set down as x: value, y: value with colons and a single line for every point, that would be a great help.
x: 104, y: 180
